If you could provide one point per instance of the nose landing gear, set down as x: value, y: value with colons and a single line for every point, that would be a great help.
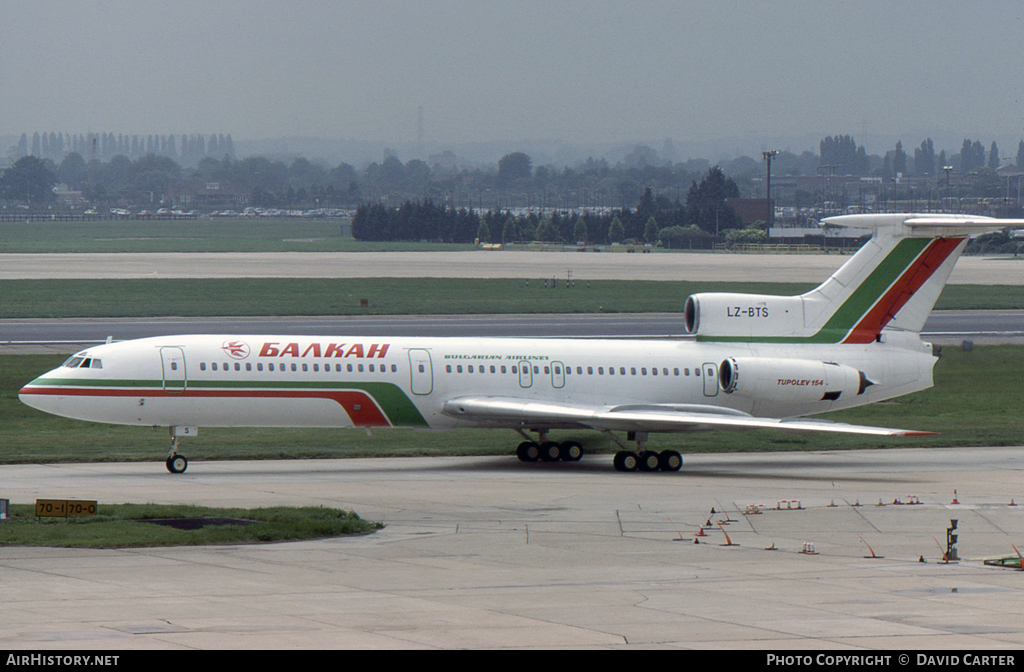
x: 177, y: 464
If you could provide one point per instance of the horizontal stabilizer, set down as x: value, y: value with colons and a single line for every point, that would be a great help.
x: 925, y: 224
x: 648, y: 418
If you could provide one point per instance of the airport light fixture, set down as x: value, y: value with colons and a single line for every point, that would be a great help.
x: 948, y: 170
x: 768, y: 187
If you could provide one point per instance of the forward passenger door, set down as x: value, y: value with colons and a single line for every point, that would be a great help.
x: 173, y: 362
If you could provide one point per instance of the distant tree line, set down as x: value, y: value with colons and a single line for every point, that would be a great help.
x: 654, y: 219
x: 57, y: 145
x: 129, y: 169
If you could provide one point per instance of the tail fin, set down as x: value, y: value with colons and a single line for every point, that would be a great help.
x: 892, y: 282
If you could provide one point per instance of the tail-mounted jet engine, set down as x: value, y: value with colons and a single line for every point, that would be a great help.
x: 744, y: 315
x: 789, y: 380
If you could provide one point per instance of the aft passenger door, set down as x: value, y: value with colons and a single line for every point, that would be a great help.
x: 422, y: 371
x: 710, y: 373
x: 173, y: 361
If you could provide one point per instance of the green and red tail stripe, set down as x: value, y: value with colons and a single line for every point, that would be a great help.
x: 911, y: 280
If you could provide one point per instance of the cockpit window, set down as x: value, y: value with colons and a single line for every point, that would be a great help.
x: 73, y: 362
x: 97, y: 363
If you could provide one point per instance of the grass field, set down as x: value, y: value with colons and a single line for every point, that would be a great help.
x: 978, y: 400
x: 131, y: 526
x: 392, y: 296
x: 247, y: 234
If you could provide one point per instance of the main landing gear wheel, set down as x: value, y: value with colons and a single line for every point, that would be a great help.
x: 625, y: 460
x: 670, y: 460
x: 572, y: 451
x: 528, y: 451
x: 550, y: 451
x: 177, y: 464
x: 648, y: 461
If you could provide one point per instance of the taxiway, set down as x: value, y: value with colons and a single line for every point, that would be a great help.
x: 493, y: 553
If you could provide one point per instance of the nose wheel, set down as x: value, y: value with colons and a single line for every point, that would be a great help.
x: 176, y: 464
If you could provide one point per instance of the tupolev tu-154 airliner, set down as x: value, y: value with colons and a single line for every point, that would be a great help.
x: 749, y: 361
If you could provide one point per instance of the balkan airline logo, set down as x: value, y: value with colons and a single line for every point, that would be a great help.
x: 236, y: 349
x: 357, y: 350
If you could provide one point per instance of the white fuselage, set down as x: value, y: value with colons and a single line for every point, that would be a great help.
x: 315, y: 381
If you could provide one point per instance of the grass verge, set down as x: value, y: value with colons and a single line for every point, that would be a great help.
x: 131, y: 525
x: 978, y: 400
x: 202, y: 235
x: 397, y: 296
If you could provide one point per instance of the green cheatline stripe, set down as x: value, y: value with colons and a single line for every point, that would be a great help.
x: 394, y: 402
x: 854, y: 308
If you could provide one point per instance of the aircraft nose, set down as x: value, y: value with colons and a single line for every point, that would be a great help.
x: 30, y: 395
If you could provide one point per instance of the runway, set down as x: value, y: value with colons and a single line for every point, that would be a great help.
x: 493, y: 553
x: 477, y: 264
x: 70, y: 335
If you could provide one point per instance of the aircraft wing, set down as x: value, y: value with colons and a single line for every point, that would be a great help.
x: 510, y: 412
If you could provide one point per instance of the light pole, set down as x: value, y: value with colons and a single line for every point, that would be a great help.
x: 768, y: 187
x: 948, y: 170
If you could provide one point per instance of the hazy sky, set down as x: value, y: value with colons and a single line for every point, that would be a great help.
x: 576, y: 70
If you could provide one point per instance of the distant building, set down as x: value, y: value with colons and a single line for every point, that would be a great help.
x: 445, y: 162
x: 198, y: 194
x: 751, y: 210
x: 67, y: 197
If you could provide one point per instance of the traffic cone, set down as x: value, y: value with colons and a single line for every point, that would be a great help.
x: 955, y: 501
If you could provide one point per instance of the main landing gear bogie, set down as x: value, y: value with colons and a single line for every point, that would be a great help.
x: 648, y: 460
x: 549, y: 451
x: 642, y: 459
